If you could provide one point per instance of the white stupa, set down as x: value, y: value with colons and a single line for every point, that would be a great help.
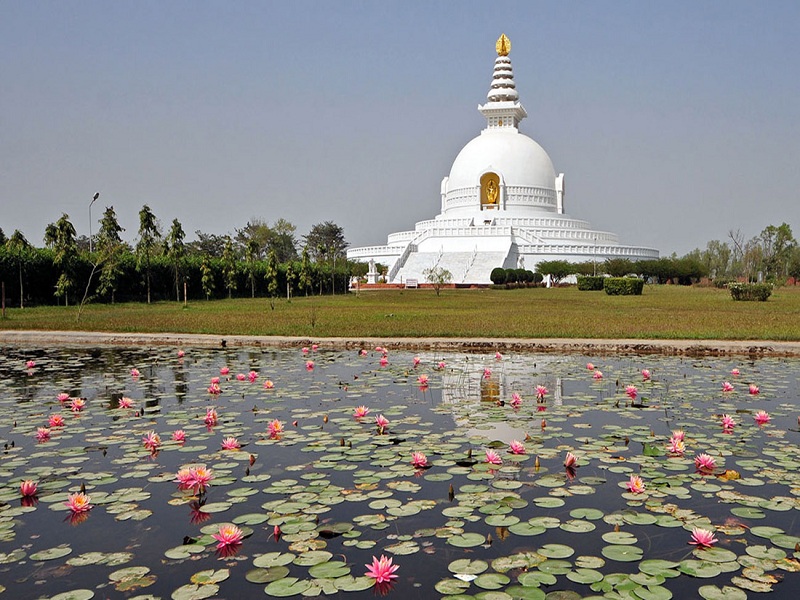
x: 502, y: 206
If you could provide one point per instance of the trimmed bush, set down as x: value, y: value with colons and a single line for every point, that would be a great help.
x: 623, y: 286
x: 590, y: 283
x: 498, y: 275
x: 511, y: 276
x: 538, y: 278
x: 750, y: 291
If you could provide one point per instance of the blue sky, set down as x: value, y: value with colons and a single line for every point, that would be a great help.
x: 674, y: 122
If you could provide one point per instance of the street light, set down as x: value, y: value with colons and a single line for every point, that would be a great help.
x: 94, y: 198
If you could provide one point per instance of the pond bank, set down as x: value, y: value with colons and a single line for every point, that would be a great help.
x: 752, y: 348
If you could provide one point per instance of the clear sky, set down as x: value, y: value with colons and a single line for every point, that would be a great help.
x: 674, y: 122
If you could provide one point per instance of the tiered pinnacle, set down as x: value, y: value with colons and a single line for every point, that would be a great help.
x: 503, y: 109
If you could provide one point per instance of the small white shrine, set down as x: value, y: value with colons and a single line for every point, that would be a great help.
x: 502, y: 205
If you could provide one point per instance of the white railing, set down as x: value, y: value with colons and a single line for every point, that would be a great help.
x: 398, y: 264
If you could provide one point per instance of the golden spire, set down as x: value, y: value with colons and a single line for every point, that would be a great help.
x: 503, y: 45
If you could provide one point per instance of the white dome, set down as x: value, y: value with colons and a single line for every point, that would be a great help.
x: 520, y: 163
x: 514, y: 156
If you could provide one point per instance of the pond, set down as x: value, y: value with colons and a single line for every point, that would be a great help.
x: 302, y: 494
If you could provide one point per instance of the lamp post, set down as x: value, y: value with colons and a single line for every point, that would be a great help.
x: 94, y: 198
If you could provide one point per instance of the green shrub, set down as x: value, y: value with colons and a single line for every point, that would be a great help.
x: 498, y: 275
x: 511, y: 276
x: 723, y: 282
x: 538, y: 277
x: 590, y: 283
x: 623, y: 286
x: 750, y: 291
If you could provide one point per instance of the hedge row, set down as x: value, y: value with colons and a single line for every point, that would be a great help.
x: 623, y: 286
x: 750, y: 291
x: 590, y: 283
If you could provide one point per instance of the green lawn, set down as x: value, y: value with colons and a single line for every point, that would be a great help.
x: 662, y: 312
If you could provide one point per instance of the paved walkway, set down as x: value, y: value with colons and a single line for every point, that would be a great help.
x: 751, y: 348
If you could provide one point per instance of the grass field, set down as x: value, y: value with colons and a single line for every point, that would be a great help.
x: 662, y: 312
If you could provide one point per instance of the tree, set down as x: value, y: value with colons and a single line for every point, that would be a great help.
x: 289, y: 280
x: 146, y: 247
x: 304, y: 279
x: 717, y: 259
x: 279, y: 237
x: 175, y: 250
x: 794, y: 264
x: 617, y: 267
x: 777, y: 244
x: 251, y: 254
x: 3, y: 238
x: 66, y: 255
x: 272, y: 277
x: 206, y: 279
x: 556, y: 269
x: 110, y: 247
x: 18, y: 246
x: 438, y: 277
x: 326, y: 240
x: 207, y: 245
x: 229, y: 266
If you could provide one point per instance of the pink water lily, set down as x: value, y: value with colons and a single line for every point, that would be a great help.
x: 305, y: 350
x: 269, y: 384
x: 252, y: 376
x: 422, y: 381
x: 493, y: 458
x: 728, y: 423
x: 179, y: 435
x: 228, y: 535
x: 211, y: 417
x: 151, y: 441
x: 78, y: 502
x: 516, y: 447
x: 241, y: 377
x: 275, y: 428
x: 762, y: 417
x: 55, y: 421
x: 382, y: 423
x: 570, y: 461
x: 727, y: 386
x: 645, y: 375
x: 77, y: 404
x: 42, y: 434
x: 381, y: 570
x: 498, y: 356
x: 635, y: 484
x: 363, y: 352
x: 63, y: 397
x: 125, y: 402
x: 419, y: 460
x: 487, y: 373
x: 589, y: 366
x: 224, y: 371
x: 314, y: 347
x: 735, y: 372
x: 309, y: 365
x: 597, y: 375
x: 541, y: 392
x: 360, y: 412
x: 703, y: 538
x: 516, y: 400
x: 753, y: 389
x: 27, y: 488
x: 230, y: 443
x: 194, y: 478
x: 384, y: 361
x: 678, y: 434
x: 181, y: 353
x: 214, y: 389
x: 30, y: 364
x: 676, y: 446
x: 135, y: 372
x: 705, y: 462
x: 631, y: 391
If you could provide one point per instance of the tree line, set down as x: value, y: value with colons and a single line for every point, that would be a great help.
x: 772, y: 256
x: 258, y: 260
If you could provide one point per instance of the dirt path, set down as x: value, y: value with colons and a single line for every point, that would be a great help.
x: 750, y: 348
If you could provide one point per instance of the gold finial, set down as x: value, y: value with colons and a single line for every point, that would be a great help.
x: 503, y: 45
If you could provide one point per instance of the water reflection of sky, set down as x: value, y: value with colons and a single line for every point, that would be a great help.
x: 463, y: 409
